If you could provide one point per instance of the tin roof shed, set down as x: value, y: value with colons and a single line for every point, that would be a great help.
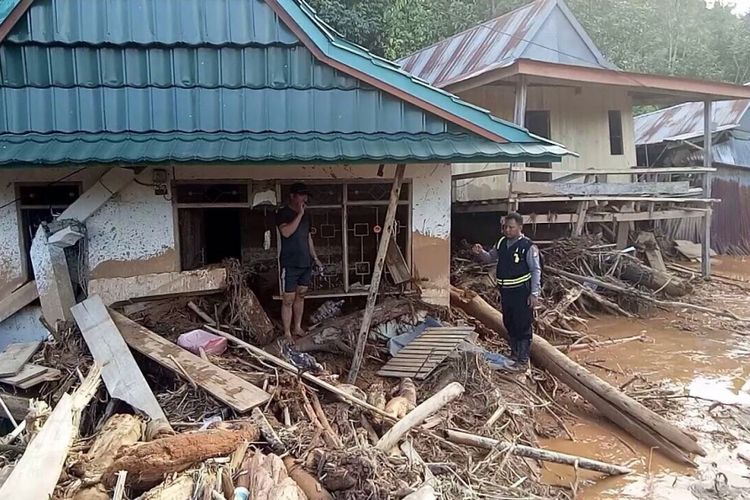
x: 84, y: 81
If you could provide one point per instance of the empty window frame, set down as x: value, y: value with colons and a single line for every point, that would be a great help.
x: 615, y: 133
x: 41, y: 203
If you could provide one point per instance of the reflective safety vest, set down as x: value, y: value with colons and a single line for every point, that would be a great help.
x: 512, y: 268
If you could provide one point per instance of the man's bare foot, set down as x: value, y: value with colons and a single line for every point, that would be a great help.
x: 299, y: 332
x: 288, y: 337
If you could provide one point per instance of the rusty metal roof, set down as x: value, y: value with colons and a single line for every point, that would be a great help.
x: 544, y: 30
x: 685, y: 121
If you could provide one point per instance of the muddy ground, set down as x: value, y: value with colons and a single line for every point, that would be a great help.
x: 696, y: 356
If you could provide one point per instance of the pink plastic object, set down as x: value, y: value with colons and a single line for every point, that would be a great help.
x: 194, y: 340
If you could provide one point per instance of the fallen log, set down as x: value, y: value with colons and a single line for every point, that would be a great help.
x: 619, y: 408
x: 419, y: 414
x: 631, y: 270
x: 148, y: 463
x: 460, y: 437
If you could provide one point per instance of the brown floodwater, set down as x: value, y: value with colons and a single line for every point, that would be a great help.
x: 707, y: 364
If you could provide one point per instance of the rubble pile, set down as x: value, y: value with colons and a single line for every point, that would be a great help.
x: 199, y: 397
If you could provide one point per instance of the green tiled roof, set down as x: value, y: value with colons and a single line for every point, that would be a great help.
x: 227, y: 80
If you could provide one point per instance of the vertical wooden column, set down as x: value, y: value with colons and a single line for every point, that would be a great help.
x: 372, y: 295
x: 707, y: 162
x: 519, y: 118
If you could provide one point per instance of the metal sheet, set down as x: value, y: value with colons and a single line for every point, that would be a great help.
x: 685, y: 121
x: 501, y: 41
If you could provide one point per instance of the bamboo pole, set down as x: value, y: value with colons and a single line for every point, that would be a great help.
x: 372, y: 296
x: 460, y: 437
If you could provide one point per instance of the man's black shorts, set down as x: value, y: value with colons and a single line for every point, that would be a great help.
x: 292, y: 277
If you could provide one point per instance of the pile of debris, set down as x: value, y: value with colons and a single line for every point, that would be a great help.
x: 201, y: 400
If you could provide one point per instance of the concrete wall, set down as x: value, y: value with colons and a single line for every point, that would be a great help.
x: 578, y: 119
x: 135, y: 232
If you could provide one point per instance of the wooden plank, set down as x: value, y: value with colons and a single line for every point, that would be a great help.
x: 48, y: 375
x: 15, y: 356
x: 159, y: 285
x: 651, y: 249
x: 17, y: 300
x: 423, y: 354
x: 390, y: 218
x: 601, y: 188
x: 396, y: 263
x: 28, y: 372
x: 121, y: 374
x: 237, y: 393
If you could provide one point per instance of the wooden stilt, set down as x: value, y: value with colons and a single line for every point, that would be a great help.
x: 372, y: 296
x: 707, y: 162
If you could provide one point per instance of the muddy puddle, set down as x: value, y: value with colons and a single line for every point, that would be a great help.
x: 709, y: 364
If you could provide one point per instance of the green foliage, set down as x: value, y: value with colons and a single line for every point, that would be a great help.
x: 675, y: 37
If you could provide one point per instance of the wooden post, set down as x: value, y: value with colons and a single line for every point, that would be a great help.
x: 372, y: 296
x: 707, y: 162
x: 385, y: 237
x: 519, y: 118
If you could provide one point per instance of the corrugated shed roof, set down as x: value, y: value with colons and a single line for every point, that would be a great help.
x: 142, y: 73
x: 501, y: 41
x: 685, y: 121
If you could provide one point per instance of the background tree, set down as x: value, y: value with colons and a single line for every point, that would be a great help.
x: 674, y: 37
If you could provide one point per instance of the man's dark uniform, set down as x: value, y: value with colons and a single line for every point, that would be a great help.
x: 514, y: 283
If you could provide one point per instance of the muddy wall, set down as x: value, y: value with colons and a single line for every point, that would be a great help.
x: 135, y: 232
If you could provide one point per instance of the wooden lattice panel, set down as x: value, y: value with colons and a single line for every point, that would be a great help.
x: 425, y: 353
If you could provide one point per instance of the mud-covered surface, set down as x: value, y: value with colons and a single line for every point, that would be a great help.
x: 704, y: 362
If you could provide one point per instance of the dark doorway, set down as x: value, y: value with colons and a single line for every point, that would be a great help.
x: 209, y: 235
x: 538, y: 123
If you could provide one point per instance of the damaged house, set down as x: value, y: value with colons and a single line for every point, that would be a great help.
x: 143, y: 140
x: 537, y: 67
x: 673, y: 137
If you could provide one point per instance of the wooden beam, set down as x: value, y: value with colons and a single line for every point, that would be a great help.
x: 546, y: 199
x: 621, y: 171
x: 480, y: 173
x: 120, y: 372
x: 158, y: 285
x: 17, y: 300
x: 390, y: 218
x: 581, y: 218
x: 49, y: 263
x: 397, y: 266
x: 707, y: 162
x: 237, y: 393
x: 601, y: 188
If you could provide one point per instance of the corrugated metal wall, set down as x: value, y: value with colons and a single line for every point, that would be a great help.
x: 730, y: 224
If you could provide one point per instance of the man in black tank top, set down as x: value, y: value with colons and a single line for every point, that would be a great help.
x: 518, y: 276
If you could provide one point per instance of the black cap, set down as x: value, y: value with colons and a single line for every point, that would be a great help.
x: 299, y: 188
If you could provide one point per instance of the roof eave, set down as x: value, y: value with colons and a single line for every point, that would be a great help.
x: 658, y: 86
